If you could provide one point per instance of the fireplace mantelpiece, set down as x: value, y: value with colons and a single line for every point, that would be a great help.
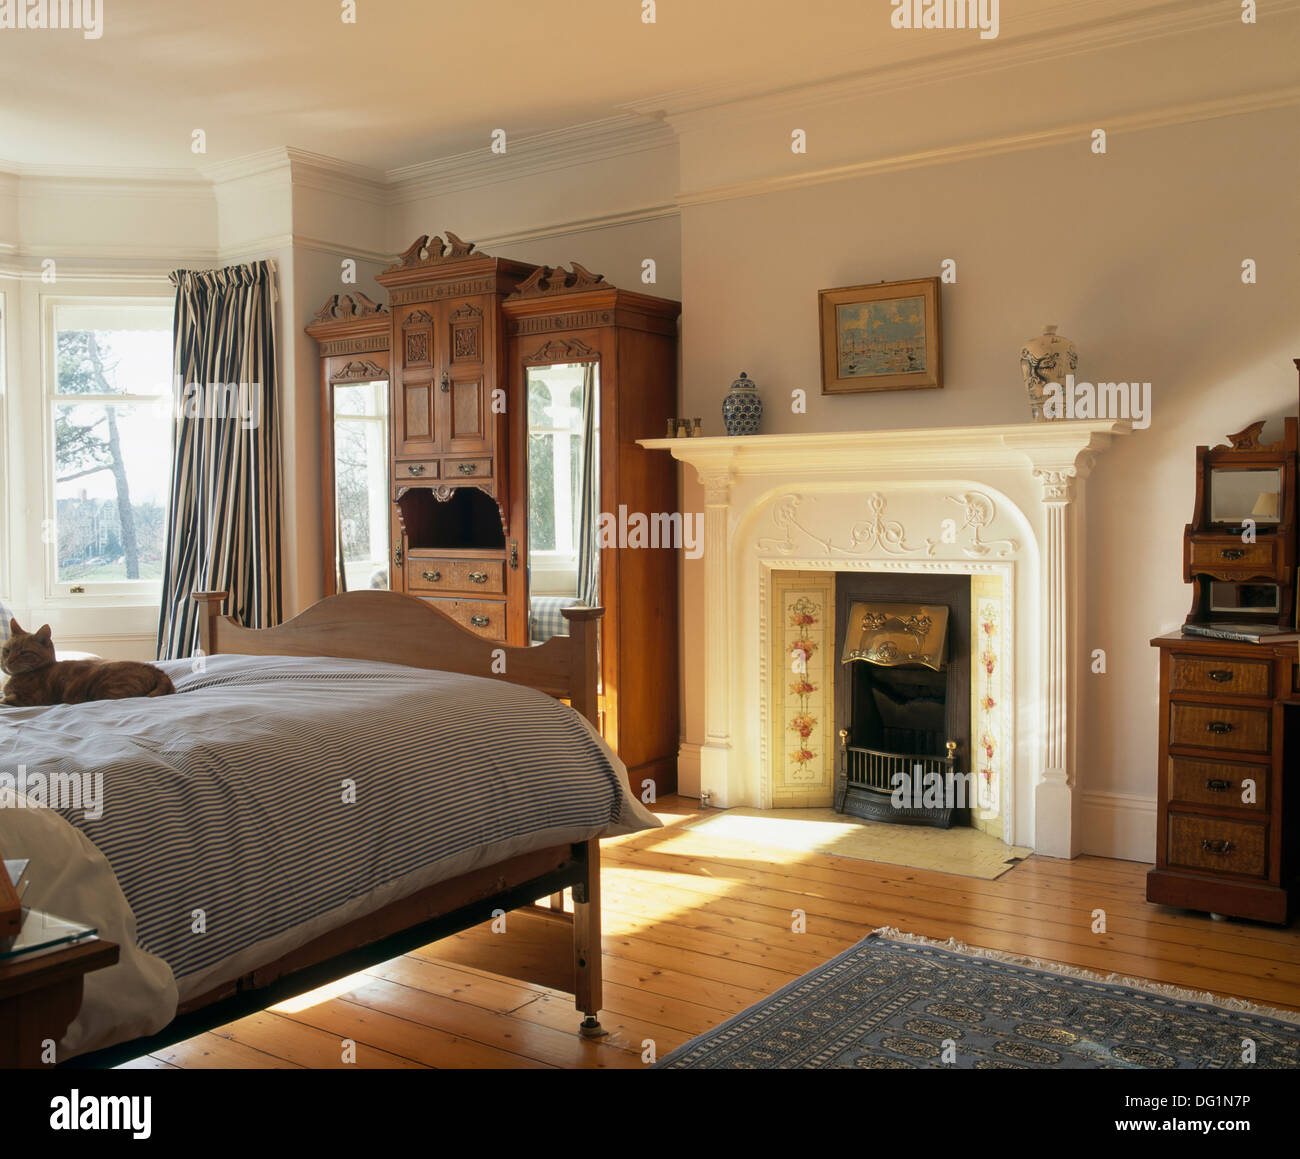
x: 994, y: 500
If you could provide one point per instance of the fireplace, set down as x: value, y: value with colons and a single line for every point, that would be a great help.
x: 902, y: 697
x: 786, y: 515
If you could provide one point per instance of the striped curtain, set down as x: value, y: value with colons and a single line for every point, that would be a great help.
x: 223, y: 531
x: 589, y: 495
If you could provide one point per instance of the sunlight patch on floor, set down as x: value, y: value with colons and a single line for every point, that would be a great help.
x: 961, y: 849
x: 320, y: 994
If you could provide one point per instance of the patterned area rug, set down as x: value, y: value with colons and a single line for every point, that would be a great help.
x: 898, y: 1001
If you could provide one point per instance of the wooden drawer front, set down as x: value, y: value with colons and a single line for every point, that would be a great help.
x: 1229, y: 677
x: 1217, y: 554
x: 1217, y: 783
x: 486, y: 617
x: 1223, y: 846
x: 457, y: 469
x: 456, y: 575
x: 413, y: 472
x: 1208, y: 726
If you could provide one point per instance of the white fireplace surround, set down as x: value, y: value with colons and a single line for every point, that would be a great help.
x: 879, y: 501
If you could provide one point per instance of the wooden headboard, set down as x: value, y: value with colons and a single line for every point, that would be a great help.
x: 402, y: 629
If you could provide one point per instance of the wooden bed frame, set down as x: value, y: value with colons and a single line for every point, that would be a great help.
x: 402, y: 629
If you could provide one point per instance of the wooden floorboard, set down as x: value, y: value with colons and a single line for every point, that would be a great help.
x: 698, y: 928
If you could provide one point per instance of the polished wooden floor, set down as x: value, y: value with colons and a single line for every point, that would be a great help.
x: 698, y: 929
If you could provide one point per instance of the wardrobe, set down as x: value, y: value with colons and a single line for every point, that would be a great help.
x: 479, y: 451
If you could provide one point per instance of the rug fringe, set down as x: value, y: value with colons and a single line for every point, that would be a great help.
x: 1241, y: 1005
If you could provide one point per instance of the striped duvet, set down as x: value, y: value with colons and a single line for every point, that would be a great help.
x: 273, y: 798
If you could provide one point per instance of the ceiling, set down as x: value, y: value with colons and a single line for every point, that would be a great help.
x: 416, y: 80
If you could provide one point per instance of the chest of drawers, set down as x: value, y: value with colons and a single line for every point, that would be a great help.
x: 1229, y: 759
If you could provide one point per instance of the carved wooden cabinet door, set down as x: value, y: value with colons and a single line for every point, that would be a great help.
x: 416, y: 430
x: 467, y: 376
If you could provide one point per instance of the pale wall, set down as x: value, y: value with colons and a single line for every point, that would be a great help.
x: 1135, y: 254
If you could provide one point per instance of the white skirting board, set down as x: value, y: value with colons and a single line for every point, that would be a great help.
x: 1119, y: 825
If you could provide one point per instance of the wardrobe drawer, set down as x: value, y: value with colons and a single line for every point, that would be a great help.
x: 1231, y: 677
x: 486, y: 617
x: 467, y: 469
x: 455, y: 575
x: 1228, y: 555
x: 1209, y: 726
x: 1221, y: 846
x: 1217, y: 783
x: 404, y: 471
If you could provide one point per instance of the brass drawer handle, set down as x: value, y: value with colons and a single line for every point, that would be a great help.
x: 479, y: 621
x: 415, y: 469
x: 1217, y: 786
x: 478, y: 577
x: 1220, y: 675
x: 432, y: 576
x: 445, y: 383
x: 1233, y: 553
x: 1219, y: 727
x: 1220, y: 846
x: 467, y: 468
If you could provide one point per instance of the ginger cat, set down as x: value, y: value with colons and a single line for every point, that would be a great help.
x: 36, y: 678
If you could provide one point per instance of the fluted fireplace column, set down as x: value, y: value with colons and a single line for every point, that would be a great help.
x: 715, y: 753
x: 1057, y: 832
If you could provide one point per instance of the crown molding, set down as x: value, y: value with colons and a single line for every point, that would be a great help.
x: 543, y: 152
x: 248, y: 165
x: 1100, y: 24
x: 994, y: 146
x: 302, y: 169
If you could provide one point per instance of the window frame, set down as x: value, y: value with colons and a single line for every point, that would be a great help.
x: 100, y: 593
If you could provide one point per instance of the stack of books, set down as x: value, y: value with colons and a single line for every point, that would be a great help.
x: 1246, y: 632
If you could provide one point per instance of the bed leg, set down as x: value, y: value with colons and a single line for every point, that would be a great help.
x: 587, y: 985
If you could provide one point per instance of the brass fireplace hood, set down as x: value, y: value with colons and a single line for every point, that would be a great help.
x: 895, y: 634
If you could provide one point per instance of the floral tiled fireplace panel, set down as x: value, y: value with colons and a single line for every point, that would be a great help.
x: 815, y: 695
x: 803, y: 621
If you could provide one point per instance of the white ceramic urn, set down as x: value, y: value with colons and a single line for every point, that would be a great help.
x: 1043, y: 360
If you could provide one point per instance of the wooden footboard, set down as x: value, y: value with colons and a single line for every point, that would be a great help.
x: 400, y: 629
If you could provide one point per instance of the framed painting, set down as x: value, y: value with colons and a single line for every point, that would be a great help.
x: 881, y: 337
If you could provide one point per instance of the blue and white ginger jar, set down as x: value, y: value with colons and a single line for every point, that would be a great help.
x: 742, y: 409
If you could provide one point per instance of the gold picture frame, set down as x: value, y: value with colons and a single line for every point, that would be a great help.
x: 886, y: 336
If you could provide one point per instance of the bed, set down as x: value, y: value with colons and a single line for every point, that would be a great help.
x: 318, y: 797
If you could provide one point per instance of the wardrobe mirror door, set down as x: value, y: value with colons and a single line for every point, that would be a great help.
x: 563, y: 492
x: 361, y: 485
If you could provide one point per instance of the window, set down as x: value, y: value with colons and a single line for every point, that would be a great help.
x: 108, y: 369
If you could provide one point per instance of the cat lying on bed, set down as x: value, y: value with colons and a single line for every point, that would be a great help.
x: 36, y: 678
